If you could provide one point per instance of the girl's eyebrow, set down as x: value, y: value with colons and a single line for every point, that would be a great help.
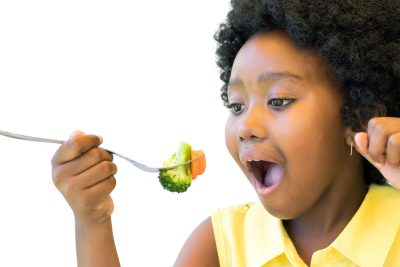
x: 284, y: 75
x: 269, y: 75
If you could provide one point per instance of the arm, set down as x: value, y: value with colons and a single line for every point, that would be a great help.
x: 199, y: 249
x: 95, y: 245
x: 84, y: 174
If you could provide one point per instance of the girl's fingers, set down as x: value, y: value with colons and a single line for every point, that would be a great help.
x: 96, y: 174
x: 380, y: 130
x: 70, y: 184
x: 378, y: 134
x: 76, y: 133
x: 381, y: 144
x: 393, y: 149
x: 101, y: 190
x: 86, y: 161
x: 361, y: 144
x: 75, y: 146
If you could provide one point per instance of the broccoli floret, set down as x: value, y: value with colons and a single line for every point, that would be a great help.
x: 177, y: 179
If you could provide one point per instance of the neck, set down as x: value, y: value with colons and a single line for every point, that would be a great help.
x: 322, y: 224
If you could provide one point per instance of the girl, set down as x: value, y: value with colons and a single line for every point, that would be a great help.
x: 313, y: 89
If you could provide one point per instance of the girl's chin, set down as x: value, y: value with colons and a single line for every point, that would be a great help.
x: 277, y: 211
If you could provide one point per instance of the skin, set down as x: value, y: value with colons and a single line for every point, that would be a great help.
x: 321, y: 188
x: 380, y: 145
x: 84, y: 174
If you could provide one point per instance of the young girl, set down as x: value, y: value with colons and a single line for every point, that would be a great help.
x: 313, y: 89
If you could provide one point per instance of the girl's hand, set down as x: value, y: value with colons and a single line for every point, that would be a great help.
x: 380, y: 145
x: 84, y: 174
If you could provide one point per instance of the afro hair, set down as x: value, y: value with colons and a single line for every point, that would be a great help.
x: 359, y: 39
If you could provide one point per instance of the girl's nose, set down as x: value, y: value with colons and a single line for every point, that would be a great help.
x: 253, y: 125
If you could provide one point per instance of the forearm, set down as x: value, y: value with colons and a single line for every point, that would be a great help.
x: 95, y: 245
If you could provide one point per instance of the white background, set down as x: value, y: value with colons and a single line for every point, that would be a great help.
x: 141, y: 74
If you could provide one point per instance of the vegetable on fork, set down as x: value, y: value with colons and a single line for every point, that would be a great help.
x: 180, y: 178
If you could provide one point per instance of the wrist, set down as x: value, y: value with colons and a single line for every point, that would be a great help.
x: 88, y: 225
x: 95, y: 244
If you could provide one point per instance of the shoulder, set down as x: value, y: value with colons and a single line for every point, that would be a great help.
x: 199, y: 249
x: 239, y: 214
x: 246, y: 234
x: 385, y: 200
x: 384, y: 193
x: 233, y: 211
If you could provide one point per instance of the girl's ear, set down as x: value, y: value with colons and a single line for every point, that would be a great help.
x: 349, y: 136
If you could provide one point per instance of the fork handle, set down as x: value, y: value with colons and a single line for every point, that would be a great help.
x: 55, y: 141
x: 30, y: 138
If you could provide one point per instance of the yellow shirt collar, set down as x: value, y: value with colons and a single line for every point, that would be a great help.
x: 265, y: 232
x: 366, y: 240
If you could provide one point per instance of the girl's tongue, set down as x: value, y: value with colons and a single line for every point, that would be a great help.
x: 267, y: 173
x: 273, y: 175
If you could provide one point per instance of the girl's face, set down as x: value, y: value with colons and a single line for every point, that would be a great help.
x: 285, y: 129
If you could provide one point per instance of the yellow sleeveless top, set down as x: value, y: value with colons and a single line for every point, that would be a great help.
x: 248, y: 236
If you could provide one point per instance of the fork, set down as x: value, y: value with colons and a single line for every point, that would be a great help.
x: 137, y: 164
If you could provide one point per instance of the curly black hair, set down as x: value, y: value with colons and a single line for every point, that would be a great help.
x: 359, y: 39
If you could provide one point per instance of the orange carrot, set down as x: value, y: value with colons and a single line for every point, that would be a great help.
x: 198, y: 166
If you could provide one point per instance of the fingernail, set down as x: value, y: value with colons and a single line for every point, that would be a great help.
x: 101, y: 139
x: 76, y: 133
x: 378, y: 165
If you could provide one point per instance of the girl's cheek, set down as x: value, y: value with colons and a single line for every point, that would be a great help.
x: 230, y: 137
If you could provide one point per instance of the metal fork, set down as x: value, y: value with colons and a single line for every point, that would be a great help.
x: 134, y: 162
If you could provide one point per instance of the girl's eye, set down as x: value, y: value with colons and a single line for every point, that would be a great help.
x: 278, y: 103
x: 236, y: 108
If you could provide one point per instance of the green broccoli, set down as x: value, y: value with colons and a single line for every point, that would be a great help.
x: 177, y: 179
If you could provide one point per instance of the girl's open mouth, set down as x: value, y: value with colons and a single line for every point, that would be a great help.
x: 267, y: 175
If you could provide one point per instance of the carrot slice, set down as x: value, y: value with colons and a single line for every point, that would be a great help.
x: 198, y: 166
